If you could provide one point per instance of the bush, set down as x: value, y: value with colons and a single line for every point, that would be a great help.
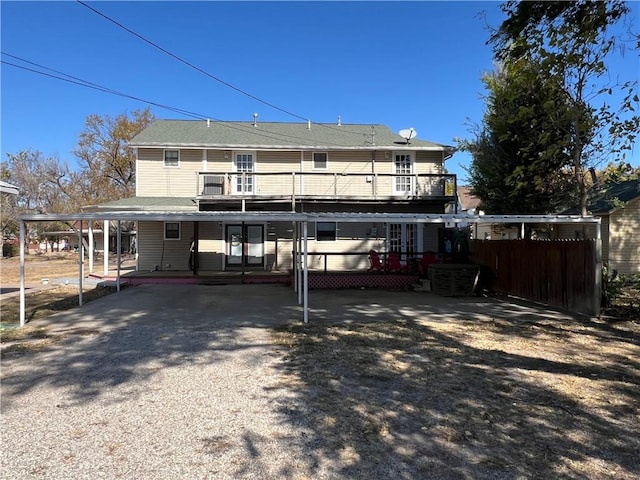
x: 8, y: 250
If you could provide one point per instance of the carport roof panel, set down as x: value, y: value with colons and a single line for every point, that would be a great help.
x: 263, y: 216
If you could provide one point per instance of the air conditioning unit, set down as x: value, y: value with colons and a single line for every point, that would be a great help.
x: 213, y: 185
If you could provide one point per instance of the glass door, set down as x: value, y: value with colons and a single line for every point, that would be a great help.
x: 403, y: 170
x: 244, y: 165
x: 403, y: 239
x: 245, y: 245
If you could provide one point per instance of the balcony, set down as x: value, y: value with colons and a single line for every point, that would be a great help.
x: 326, y: 186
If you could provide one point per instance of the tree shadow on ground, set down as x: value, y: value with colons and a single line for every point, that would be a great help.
x: 393, y: 392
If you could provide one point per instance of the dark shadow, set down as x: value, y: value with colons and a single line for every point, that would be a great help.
x: 389, y: 395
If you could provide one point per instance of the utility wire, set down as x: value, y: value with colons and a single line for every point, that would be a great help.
x: 195, y: 67
x: 204, y: 72
x: 87, y: 84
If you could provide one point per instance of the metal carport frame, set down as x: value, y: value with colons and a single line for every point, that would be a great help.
x: 301, y: 220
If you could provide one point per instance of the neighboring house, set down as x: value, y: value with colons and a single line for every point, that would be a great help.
x: 469, y: 203
x: 618, y: 206
x: 8, y: 188
x: 191, y: 166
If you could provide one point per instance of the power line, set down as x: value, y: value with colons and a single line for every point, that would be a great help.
x: 204, y: 72
x: 189, y: 64
x: 87, y: 84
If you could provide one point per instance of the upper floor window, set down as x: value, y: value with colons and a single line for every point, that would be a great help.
x: 320, y: 160
x: 326, y: 231
x: 172, y: 158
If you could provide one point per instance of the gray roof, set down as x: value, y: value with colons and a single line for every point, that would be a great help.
x: 146, y: 204
x: 277, y: 136
x: 8, y: 188
x: 609, y: 197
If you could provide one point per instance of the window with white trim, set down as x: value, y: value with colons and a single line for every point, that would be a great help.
x: 320, y: 160
x: 172, y: 230
x: 172, y: 158
x: 326, y: 231
x: 403, y: 170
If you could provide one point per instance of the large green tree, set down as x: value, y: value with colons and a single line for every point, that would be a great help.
x: 571, y: 43
x: 518, y: 153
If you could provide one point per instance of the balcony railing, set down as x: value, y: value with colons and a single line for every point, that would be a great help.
x: 324, y: 185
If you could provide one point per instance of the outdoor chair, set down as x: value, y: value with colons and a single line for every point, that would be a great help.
x: 375, y: 263
x: 428, y: 258
x: 394, y: 264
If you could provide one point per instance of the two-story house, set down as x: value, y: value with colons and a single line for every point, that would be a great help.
x: 250, y: 167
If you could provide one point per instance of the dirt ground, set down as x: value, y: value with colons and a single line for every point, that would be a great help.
x: 42, y: 299
x: 473, y: 398
x: 547, y: 397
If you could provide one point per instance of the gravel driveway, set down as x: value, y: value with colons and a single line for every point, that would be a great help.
x: 156, y: 382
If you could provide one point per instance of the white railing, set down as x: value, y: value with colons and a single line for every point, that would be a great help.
x: 324, y: 185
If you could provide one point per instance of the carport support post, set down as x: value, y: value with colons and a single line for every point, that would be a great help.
x: 295, y: 257
x: 91, y: 247
x: 80, y: 263
x: 105, y: 247
x: 22, y: 280
x: 305, y: 269
x: 597, y: 294
x: 119, y: 246
x: 300, y: 267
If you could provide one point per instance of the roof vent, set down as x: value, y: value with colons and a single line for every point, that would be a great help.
x: 208, y: 122
x: 255, y: 119
x: 308, y: 124
x: 339, y: 120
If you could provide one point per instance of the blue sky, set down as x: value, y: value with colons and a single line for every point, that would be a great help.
x: 402, y: 64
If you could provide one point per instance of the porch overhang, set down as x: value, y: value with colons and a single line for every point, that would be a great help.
x: 301, y: 219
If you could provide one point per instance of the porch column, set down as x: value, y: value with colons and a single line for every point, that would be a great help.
x: 22, y: 279
x: 194, y: 252
x: 91, y: 247
x: 118, y: 255
x: 305, y: 269
x: 105, y: 247
x: 300, y: 260
x: 80, y: 264
x: 294, y: 263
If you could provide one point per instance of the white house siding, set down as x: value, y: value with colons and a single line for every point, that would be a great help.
x: 167, y: 255
x: 624, y: 238
x: 210, y: 246
x: 156, y: 180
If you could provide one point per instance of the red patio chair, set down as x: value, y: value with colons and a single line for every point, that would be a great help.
x: 375, y: 263
x: 428, y: 258
x: 394, y: 264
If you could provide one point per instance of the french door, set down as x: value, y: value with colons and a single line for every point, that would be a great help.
x: 243, y: 165
x: 403, y: 238
x: 403, y: 182
x: 245, y: 245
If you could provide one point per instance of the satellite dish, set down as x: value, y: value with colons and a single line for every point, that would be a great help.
x: 408, y: 134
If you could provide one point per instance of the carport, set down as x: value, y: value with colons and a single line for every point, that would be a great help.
x: 300, y: 222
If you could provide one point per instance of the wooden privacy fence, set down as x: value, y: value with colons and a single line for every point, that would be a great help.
x: 561, y: 273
